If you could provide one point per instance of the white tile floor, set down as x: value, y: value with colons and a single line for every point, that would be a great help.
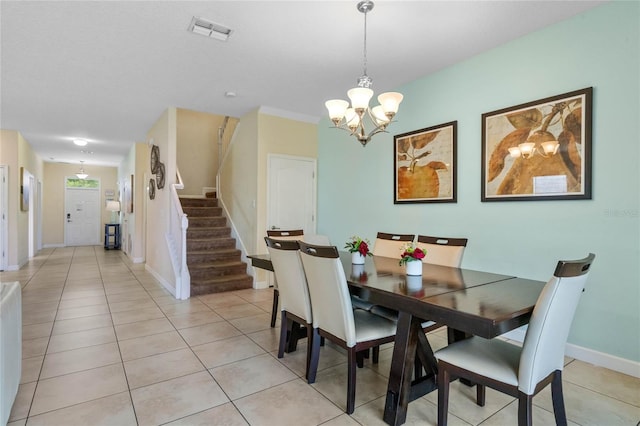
x: 105, y: 344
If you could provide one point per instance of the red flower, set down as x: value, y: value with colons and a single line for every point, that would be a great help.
x: 364, y: 248
x: 418, y: 253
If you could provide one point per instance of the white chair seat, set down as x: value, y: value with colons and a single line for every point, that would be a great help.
x: 372, y: 327
x: 495, y: 359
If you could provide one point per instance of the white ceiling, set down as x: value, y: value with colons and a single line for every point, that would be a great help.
x: 106, y: 70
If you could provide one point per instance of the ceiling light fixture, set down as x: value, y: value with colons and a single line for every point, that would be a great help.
x: 209, y: 29
x: 81, y: 174
x: 80, y: 142
x: 352, y: 118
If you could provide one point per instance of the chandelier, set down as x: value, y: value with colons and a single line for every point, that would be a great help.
x: 352, y: 119
x: 81, y: 174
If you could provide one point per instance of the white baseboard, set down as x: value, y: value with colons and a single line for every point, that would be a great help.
x: 260, y: 284
x: 137, y: 259
x: 13, y: 268
x: 206, y: 189
x: 53, y: 245
x: 162, y: 281
x: 601, y: 359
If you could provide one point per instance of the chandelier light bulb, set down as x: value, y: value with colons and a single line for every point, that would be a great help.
x: 360, y: 97
x: 380, y: 116
x: 337, y: 109
x: 390, y: 102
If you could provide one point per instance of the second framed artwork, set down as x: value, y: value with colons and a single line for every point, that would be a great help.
x: 425, y: 165
x: 540, y: 150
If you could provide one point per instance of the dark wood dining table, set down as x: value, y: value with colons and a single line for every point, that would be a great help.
x: 468, y: 302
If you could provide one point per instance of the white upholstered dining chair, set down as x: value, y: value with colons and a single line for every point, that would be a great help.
x: 391, y: 245
x: 442, y: 250
x: 334, y: 317
x: 524, y: 371
x: 287, y: 235
x: 295, y: 305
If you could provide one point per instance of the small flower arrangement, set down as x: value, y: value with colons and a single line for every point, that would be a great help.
x: 358, y: 245
x: 410, y: 253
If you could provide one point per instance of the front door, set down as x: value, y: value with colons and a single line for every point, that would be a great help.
x: 82, y: 216
x: 292, y: 193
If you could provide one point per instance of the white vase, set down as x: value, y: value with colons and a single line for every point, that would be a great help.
x: 414, y: 267
x: 357, y: 258
x: 414, y: 282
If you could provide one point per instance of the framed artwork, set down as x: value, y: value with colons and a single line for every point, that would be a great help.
x: 154, y: 158
x: 425, y: 165
x: 24, y: 190
x: 539, y: 150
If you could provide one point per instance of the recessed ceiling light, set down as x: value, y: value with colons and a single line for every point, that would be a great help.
x: 80, y: 142
x: 209, y: 29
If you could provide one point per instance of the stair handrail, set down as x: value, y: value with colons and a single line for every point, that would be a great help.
x: 177, y: 239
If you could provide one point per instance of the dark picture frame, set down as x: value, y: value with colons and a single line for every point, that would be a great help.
x: 424, y: 162
x: 25, y: 189
x: 563, y: 175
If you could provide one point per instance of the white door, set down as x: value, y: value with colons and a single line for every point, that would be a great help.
x: 82, y: 216
x: 291, y: 193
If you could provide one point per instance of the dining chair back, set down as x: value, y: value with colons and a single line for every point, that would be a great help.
x: 391, y: 245
x: 521, y: 372
x: 442, y: 250
x: 334, y: 318
x: 295, y: 304
x: 281, y: 234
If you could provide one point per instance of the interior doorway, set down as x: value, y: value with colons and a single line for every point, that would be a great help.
x: 291, y: 193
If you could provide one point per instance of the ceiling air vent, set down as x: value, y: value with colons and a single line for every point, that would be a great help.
x: 209, y: 29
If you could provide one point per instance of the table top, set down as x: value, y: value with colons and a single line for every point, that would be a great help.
x: 481, y: 303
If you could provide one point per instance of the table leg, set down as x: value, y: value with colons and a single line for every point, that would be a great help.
x: 404, y: 352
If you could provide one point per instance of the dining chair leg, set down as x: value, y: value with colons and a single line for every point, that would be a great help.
x: 274, y: 308
x: 360, y: 359
x: 480, y: 394
x: 525, y: 407
x: 557, y: 398
x: 351, y: 380
x: 315, y: 356
x: 309, y: 348
x: 443, y: 395
x: 283, y: 334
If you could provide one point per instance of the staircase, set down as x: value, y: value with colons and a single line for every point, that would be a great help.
x: 214, y: 263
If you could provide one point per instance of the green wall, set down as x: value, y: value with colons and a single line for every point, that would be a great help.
x: 596, y: 49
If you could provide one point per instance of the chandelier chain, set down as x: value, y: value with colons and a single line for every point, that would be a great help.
x: 364, y: 53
